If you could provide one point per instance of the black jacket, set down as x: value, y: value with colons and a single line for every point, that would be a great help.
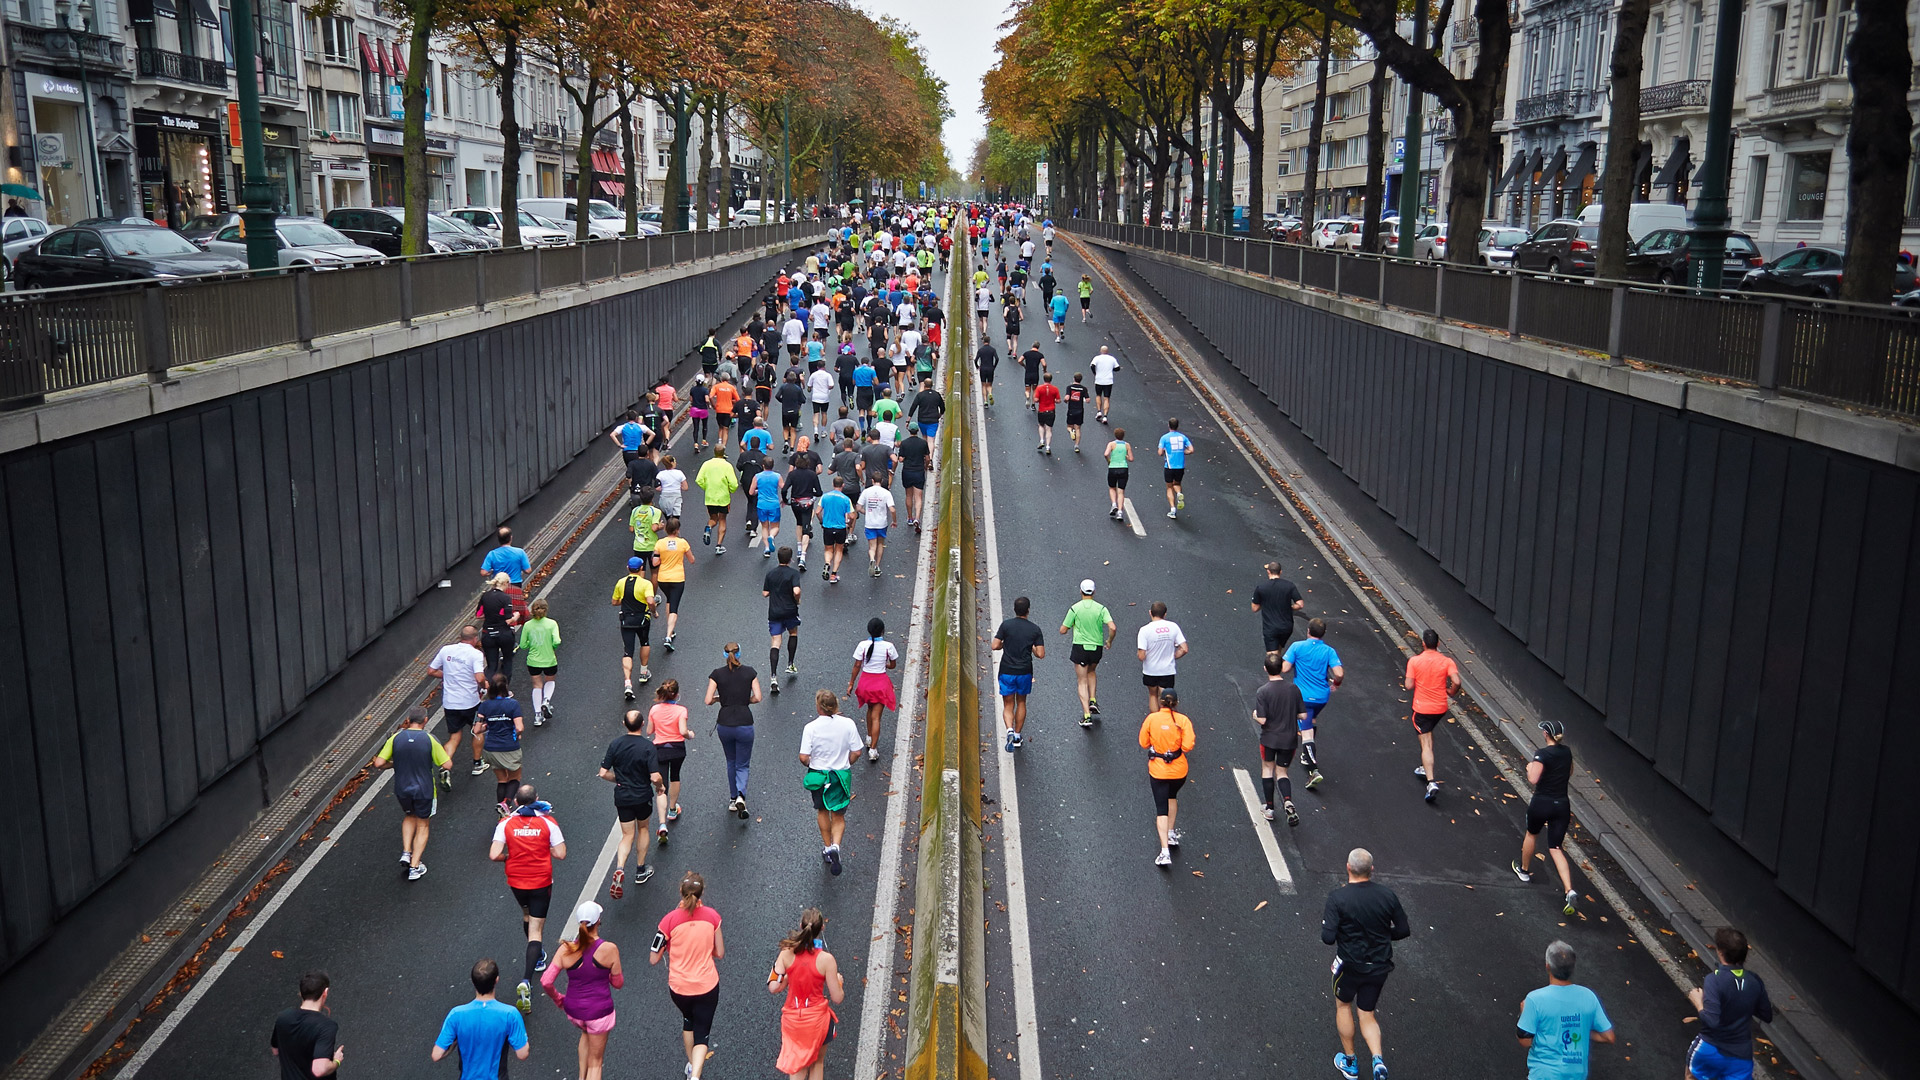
x: 1362, y: 921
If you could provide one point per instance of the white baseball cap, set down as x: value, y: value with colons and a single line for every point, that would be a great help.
x: 1086, y: 586
x: 588, y: 913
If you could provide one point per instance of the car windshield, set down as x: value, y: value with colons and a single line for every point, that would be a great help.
x: 1507, y: 237
x: 529, y: 219
x: 205, y: 223
x: 149, y: 242
x: 310, y: 234
x: 1590, y: 233
x: 603, y: 211
x: 443, y: 226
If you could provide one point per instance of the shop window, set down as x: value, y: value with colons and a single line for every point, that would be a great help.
x: 1806, y: 189
x: 1757, y: 187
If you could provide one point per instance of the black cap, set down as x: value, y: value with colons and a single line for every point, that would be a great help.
x: 1554, y: 728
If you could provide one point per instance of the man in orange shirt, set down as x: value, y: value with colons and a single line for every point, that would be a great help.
x: 1431, y: 676
x: 724, y: 395
x: 1167, y: 736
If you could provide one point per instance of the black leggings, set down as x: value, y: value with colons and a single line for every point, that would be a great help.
x: 697, y: 1012
x: 499, y: 657
x: 699, y: 428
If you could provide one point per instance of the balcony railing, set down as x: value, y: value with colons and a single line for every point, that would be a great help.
x: 1687, y: 94
x: 179, y: 67
x: 63, y: 46
x: 1555, y: 105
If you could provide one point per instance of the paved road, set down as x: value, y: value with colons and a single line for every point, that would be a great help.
x: 1216, y: 967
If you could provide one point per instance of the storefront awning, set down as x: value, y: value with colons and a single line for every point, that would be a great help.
x: 203, y: 13
x: 399, y: 69
x: 1513, y: 173
x: 1642, y: 164
x: 1583, y: 166
x: 1676, y: 162
x: 1555, y: 167
x: 606, y: 161
x: 613, y: 187
x: 141, y: 12
x: 370, y: 58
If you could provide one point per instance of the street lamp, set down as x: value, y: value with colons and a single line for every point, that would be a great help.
x: 257, y: 220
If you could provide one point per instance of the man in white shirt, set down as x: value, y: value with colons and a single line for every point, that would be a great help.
x: 822, y: 317
x: 1159, y: 645
x: 828, y: 745
x: 983, y: 306
x: 820, y: 386
x: 876, y: 506
x: 1104, y: 365
x: 1026, y: 249
x: 462, y: 670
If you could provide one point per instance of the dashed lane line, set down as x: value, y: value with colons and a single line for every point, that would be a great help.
x: 1282, y: 874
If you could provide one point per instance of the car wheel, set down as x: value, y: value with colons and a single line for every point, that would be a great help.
x: 1666, y: 277
x: 1553, y: 266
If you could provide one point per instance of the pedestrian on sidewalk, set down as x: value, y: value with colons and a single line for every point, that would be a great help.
x: 306, y: 1039
x: 717, y: 482
x: 1317, y: 672
x: 734, y: 687
x: 634, y: 598
x: 689, y: 940
x: 1279, y: 712
x: 810, y: 977
x: 1019, y: 643
x: 462, y: 671
x: 527, y: 841
x: 828, y: 745
x: 417, y: 762
x: 1174, y: 448
x: 1362, y: 920
x: 667, y: 720
x: 1549, y: 810
x: 868, y: 682
x: 1728, y: 1003
x: 540, y: 638
x: 1275, y: 600
x: 630, y: 766
x: 592, y: 967
x: 499, y: 622
x: 482, y: 1029
x: 1093, y: 630
x: 781, y: 587
x: 1159, y: 646
x: 1560, y: 1021
x: 503, y: 724
x: 1433, y: 678
x: 1119, y: 455
x: 1167, y: 737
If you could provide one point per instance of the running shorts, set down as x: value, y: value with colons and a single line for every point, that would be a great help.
x: 776, y: 627
x: 723, y: 420
x: 1312, y: 709
x: 503, y: 760
x: 1706, y: 1061
x: 716, y: 513
x: 1086, y: 655
x: 912, y: 479
x: 1424, y: 723
x: 633, y: 638
x: 1076, y: 415
x: 633, y: 810
x: 1552, y: 815
x: 789, y: 418
x: 671, y: 592
x: 420, y: 806
x: 1033, y: 378
x: 1117, y: 478
x: 1278, y: 755
x: 1103, y: 389
x: 669, y: 768
x: 768, y: 514
x: 534, y: 901
x: 1016, y: 685
x: 820, y: 408
x: 1361, y: 991
x: 1164, y: 682
x: 531, y: 670
x: 1086, y: 302
x: 1046, y: 418
x: 794, y: 348
x: 697, y: 1012
x: 833, y: 537
x: 1276, y: 641
x: 876, y: 534
x: 803, y: 518
x: 1164, y: 792
x: 864, y: 396
x: 459, y: 720
x: 1174, y: 476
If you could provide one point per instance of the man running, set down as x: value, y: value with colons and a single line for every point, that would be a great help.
x: 483, y: 1029
x: 828, y: 745
x: 782, y: 590
x: 1174, y: 447
x: 1057, y: 317
x: 878, y: 514
x: 1046, y: 403
x: 630, y: 437
x: 1119, y: 455
x: 801, y: 490
x: 982, y: 305
x: 506, y: 559
x: 1011, y: 315
x: 986, y: 359
x: 1317, y: 672
x: 1728, y: 1003
x: 929, y: 407
x: 1104, y: 364
x: 644, y: 523
x: 765, y: 486
x: 670, y: 558
x: 836, y: 513
x: 913, y: 452
x: 1076, y: 398
x: 1092, y: 627
x: 1548, y: 810
x: 717, y: 481
x: 820, y: 386
x: 1276, y: 600
x: 1362, y: 920
x: 1086, y: 298
x: 1433, y: 678
x: 1159, y: 646
x: 415, y: 759
x: 1278, y: 711
x: 462, y: 670
x: 1019, y: 643
x: 633, y: 596
x: 306, y: 1037
x: 1034, y: 362
x: 792, y: 397
x: 527, y: 841
x: 1560, y: 1022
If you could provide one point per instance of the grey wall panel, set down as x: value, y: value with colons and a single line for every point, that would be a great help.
x: 1716, y: 629
x: 1754, y: 612
x: 1683, y: 611
x: 166, y: 610
x: 226, y: 570
x: 126, y: 599
x: 284, y: 569
x: 27, y: 903
x: 1606, y: 567
x: 308, y: 546
x: 199, y: 608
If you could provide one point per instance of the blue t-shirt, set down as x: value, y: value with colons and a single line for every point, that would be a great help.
x: 907, y: 241
x: 1059, y: 306
x: 632, y: 435
x: 483, y: 1030
x: 499, y: 714
x: 835, y: 509
x: 1175, y: 446
x: 797, y: 297
x: 508, y: 560
x: 986, y: 245
x: 766, y: 489
x: 1313, y: 661
x: 816, y: 352
x: 758, y: 438
x: 863, y: 376
x: 1560, y: 1019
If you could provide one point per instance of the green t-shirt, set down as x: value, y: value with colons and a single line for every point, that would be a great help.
x: 886, y: 409
x: 645, y: 523
x: 1117, y: 457
x: 718, y: 480
x: 1086, y: 289
x: 1088, y: 621
x: 538, y: 637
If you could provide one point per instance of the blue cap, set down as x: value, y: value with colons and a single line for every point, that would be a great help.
x: 634, y: 563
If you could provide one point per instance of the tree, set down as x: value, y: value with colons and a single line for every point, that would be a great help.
x: 1879, y: 148
x: 1623, y: 139
x: 494, y: 32
x: 588, y: 43
x: 1376, y: 158
x: 419, y: 15
x: 1316, y: 129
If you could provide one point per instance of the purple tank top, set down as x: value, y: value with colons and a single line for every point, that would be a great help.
x: 589, y: 994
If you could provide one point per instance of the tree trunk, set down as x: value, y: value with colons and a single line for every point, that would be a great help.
x: 1376, y: 159
x: 588, y: 102
x: 1623, y: 139
x: 413, y: 232
x: 1109, y: 205
x: 705, y: 187
x: 1257, y: 158
x: 1163, y: 153
x: 1315, y: 131
x: 508, y: 73
x: 1878, y: 150
x: 1179, y: 180
x: 675, y: 217
x: 1202, y: 169
x: 726, y: 159
x: 627, y: 152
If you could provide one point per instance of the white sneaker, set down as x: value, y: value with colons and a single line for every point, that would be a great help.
x: 1171, y: 514
x: 1174, y: 836
x: 1163, y: 859
x: 873, y: 754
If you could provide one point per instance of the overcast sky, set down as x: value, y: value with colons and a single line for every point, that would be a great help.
x: 958, y: 36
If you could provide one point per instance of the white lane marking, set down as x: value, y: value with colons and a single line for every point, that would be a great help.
x: 1133, y: 519
x: 1264, y: 830
x: 601, y: 864
x: 227, y: 956
x: 578, y: 550
x: 1026, y: 1022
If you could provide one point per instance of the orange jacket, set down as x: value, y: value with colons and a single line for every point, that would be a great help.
x: 1163, y: 733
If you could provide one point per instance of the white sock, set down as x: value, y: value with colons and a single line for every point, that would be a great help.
x: 548, y: 697
x: 538, y: 696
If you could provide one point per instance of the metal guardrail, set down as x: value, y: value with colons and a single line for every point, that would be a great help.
x: 1853, y: 354
x: 63, y: 339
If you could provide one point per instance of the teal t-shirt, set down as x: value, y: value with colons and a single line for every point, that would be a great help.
x: 1561, y: 1019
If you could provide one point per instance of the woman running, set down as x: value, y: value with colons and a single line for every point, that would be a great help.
x: 500, y: 718
x: 593, y: 972
x: 1119, y: 454
x: 810, y: 977
x: 868, y: 682
x: 1167, y: 737
x: 735, y: 687
x: 699, y: 408
x: 673, y: 486
x: 689, y: 938
x: 668, y: 722
x: 540, y: 637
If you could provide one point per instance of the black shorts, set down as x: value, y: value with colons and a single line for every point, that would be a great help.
x: 911, y: 479
x: 418, y: 806
x: 1085, y: 302
x: 632, y: 638
x: 669, y: 768
x: 1362, y: 991
x: 459, y: 720
x: 789, y: 419
x: 1164, y: 792
x: 697, y: 1012
x: 1033, y: 378
x: 794, y: 348
x: 1424, y: 723
x: 629, y: 810
x: 1282, y: 755
x: 1553, y: 815
x: 863, y: 395
x: 1103, y: 390
x: 1086, y: 655
x: 986, y: 376
x: 1164, y: 682
x: 820, y: 408
x: 671, y: 592
x: 1174, y: 476
x: 1046, y: 418
x: 723, y: 421
x: 717, y: 513
x: 531, y: 670
x: 803, y: 520
x: 1276, y: 640
x: 1076, y: 417
x: 833, y: 537
x: 1117, y: 478
x: 534, y: 901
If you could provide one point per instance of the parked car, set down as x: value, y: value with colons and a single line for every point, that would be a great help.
x: 1814, y: 273
x: 1497, y: 244
x: 1662, y: 255
x: 17, y: 236
x: 379, y: 228
x: 488, y: 219
x: 201, y: 229
x: 1349, y: 238
x: 102, y: 254
x: 1327, y: 232
x: 1643, y: 217
x: 304, y: 241
x: 1431, y: 241
x: 1562, y: 246
x: 487, y: 239
x: 604, y: 220
x: 1285, y: 228
x: 130, y: 220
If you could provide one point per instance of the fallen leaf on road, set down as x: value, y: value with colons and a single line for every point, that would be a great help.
x: 1259, y: 905
x: 1197, y: 873
x: 278, y: 955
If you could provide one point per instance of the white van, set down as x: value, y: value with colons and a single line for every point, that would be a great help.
x: 603, y: 218
x: 1643, y: 218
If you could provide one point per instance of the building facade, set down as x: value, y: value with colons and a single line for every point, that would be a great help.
x: 70, y: 135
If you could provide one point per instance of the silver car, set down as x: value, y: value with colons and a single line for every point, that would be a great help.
x: 533, y: 230
x: 18, y: 235
x: 1431, y: 241
x: 1497, y: 244
x: 304, y: 241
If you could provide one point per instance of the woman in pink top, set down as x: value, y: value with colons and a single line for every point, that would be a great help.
x: 668, y: 722
x: 666, y: 397
x: 689, y: 938
x: 593, y: 972
x: 810, y: 977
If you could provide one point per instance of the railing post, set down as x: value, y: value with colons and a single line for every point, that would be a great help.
x: 1767, y: 374
x: 1616, y: 324
x: 538, y: 259
x: 303, y: 305
x: 1337, y: 260
x: 1439, y: 287
x: 1300, y: 265
x: 1513, y: 305
x: 406, y: 292
x: 480, y: 281
x: 1272, y: 250
x: 582, y: 248
x: 155, y: 342
x: 1383, y: 284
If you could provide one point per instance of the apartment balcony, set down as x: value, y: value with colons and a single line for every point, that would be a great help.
x: 64, y: 51
x: 1688, y: 95
x: 180, y: 68
x: 1813, y: 106
x: 1556, y: 105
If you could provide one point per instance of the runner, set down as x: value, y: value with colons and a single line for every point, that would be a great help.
x: 982, y: 302
x: 699, y: 409
x: 1086, y: 298
x: 710, y: 351
x: 1019, y: 643
x: 1167, y: 737
x: 690, y: 941
x: 1317, y: 672
x: 670, y: 558
x: 1046, y: 401
x: 1033, y: 362
x: 836, y: 513
x: 1278, y: 711
x: 416, y: 760
x: 505, y: 559
x: 1076, y: 398
x: 913, y: 452
x: 801, y: 490
x: 667, y: 721
x: 1276, y: 600
x: 672, y: 484
x: 810, y: 977
x: 1728, y: 1003
x: 792, y: 397
x: 717, y: 481
x: 868, y: 682
x: 1104, y: 364
x: 1362, y: 920
x: 782, y: 590
x: 820, y: 394
x: 929, y: 406
x: 1091, y: 625
x: 1549, y: 772
x: 1119, y: 455
x: 1057, y: 317
x: 877, y: 513
x: 483, y: 1029
x: 765, y: 486
x: 1159, y: 645
x: 735, y: 688
x: 828, y: 745
x: 504, y: 724
x: 306, y: 1038
x: 887, y: 411
x: 635, y: 598
x: 1048, y: 283
x: 1560, y: 1022
x: 865, y: 378
x: 644, y: 523
x: 1174, y: 447
x: 1010, y: 315
x: 592, y: 965
x: 631, y: 436
x: 1433, y: 678
x: 755, y: 436
x: 499, y: 622
x: 462, y: 671
x: 629, y: 764
x: 527, y: 841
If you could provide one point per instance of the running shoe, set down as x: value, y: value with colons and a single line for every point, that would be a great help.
x: 505, y: 807
x: 673, y: 812
x: 720, y: 549
x: 1517, y: 872
x: 479, y: 766
x: 1076, y: 448
x: 833, y: 867
x: 792, y: 670
x: 1267, y: 809
x: 1313, y: 779
x: 876, y: 571
x: 1420, y: 772
x: 1348, y: 1067
x: 1009, y: 740
x: 546, y: 710
x: 1293, y: 816
x: 446, y: 778
x: 743, y: 808
x: 618, y: 887
x: 646, y: 676
x: 1019, y: 740
x: 766, y: 553
x: 642, y: 875
x: 1571, y: 897
x: 1093, y: 706
x: 1042, y: 448
x: 800, y: 565
x: 1433, y: 792
x: 629, y: 691
x: 1172, y: 514
x: 1163, y: 859
x: 663, y: 836
x: 523, y: 997
x: 1086, y: 720
x: 835, y: 579
x: 873, y: 755
x: 706, y: 536
x: 539, y: 720
x: 415, y: 873
x: 1174, y: 836
x: 1180, y: 500
x: 776, y: 686
x: 1379, y: 1069
x: 406, y: 856
x: 826, y: 574
x: 541, y: 964
x: 668, y: 644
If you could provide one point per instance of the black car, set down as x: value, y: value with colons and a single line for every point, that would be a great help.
x: 101, y: 254
x: 1813, y: 272
x: 1661, y: 256
x: 1564, y: 246
x: 379, y: 228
